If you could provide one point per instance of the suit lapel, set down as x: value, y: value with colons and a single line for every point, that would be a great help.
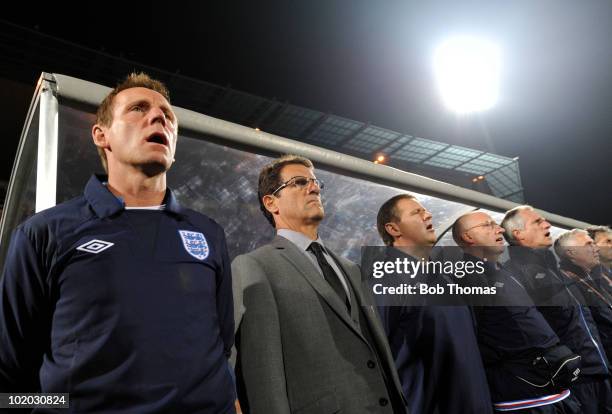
x: 304, y: 266
x: 354, y: 279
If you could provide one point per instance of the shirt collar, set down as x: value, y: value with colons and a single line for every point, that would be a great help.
x: 172, y: 204
x: 105, y: 204
x: 299, y: 239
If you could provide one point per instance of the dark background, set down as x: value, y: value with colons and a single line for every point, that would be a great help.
x: 372, y: 61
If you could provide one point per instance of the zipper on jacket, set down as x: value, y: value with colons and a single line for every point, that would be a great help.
x: 586, y: 325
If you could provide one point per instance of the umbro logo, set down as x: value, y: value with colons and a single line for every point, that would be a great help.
x: 95, y: 246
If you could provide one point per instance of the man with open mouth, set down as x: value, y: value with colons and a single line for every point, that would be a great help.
x: 512, y: 334
x: 121, y: 297
x: 532, y: 262
x: 434, y: 347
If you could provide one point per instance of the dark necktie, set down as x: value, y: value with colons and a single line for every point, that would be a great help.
x: 328, y: 272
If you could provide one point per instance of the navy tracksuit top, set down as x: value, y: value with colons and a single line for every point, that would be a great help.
x: 129, y: 311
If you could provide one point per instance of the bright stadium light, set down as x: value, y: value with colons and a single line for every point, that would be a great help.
x: 467, y: 70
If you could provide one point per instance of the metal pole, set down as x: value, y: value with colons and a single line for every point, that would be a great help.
x: 46, y: 165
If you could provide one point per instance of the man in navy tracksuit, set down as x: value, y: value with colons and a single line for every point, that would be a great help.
x: 602, y: 236
x: 434, y: 347
x: 535, y: 267
x: 121, y: 297
x: 512, y: 334
x: 579, y: 262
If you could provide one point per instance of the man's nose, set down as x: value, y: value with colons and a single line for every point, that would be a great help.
x: 157, y: 115
x: 313, y: 186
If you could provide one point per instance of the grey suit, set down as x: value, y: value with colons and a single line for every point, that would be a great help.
x: 299, y: 350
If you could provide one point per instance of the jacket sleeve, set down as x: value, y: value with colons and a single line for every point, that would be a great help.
x: 225, y: 305
x: 24, y: 316
x: 260, y: 368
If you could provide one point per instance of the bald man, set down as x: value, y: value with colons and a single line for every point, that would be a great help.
x: 511, y: 338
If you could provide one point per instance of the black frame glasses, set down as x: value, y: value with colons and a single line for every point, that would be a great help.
x: 300, y: 182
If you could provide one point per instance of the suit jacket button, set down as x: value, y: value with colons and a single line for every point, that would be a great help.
x: 371, y: 364
x: 383, y: 402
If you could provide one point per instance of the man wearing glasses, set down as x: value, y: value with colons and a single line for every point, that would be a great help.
x: 512, y: 334
x: 306, y: 341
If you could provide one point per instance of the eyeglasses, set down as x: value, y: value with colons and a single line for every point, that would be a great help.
x: 300, y: 182
x: 490, y: 224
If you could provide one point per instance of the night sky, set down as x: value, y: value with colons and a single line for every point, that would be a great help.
x: 372, y: 61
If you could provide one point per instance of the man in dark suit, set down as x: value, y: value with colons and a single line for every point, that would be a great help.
x: 434, y: 347
x: 306, y: 340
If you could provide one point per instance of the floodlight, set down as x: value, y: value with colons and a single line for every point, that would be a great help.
x: 467, y: 71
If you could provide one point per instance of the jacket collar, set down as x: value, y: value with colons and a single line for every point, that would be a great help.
x: 571, y: 267
x: 542, y: 257
x: 304, y: 267
x: 490, y: 267
x: 393, y: 253
x: 105, y: 204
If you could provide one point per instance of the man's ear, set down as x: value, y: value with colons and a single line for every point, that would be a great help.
x: 467, y: 239
x: 270, y: 203
x: 98, y: 134
x: 516, y: 233
x: 393, y: 229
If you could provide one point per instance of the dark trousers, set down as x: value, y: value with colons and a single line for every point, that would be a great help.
x: 595, y: 397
